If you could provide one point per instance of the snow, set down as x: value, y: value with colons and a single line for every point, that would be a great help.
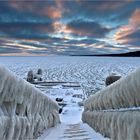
x: 71, y: 112
x: 64, y: 132
x: 89, y: 72
x: 71, y: 126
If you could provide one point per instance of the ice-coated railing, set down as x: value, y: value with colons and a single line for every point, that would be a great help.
x: 117, y: 124
x: 24, y: 110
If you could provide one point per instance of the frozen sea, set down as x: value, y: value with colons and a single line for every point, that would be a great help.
x: 90, y: 72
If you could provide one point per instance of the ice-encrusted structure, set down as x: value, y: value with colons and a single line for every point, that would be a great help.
x: 117, y: 125
x: 103, y: 111
x: 24, y: 111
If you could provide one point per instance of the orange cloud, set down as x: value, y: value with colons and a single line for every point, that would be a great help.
x: 61, y: 30
x: 135, y: 19
x: 57, y: 26
x: 122, y: 35
x: 87, y: 28
x: 52, y: 12
x: 39, y: 7
x: 22, y: 54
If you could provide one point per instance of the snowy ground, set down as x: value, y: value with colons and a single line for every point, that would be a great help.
x: 89, y: 72
x: 71, y: 127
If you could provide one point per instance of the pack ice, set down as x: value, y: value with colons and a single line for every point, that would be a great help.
x: 24, y: 111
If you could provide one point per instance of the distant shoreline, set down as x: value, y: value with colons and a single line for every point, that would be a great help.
x: 129, y: 54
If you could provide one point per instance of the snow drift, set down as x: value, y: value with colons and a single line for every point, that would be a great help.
x: 102, y: 110
x: 24, y: 111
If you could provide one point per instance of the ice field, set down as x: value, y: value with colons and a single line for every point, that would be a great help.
x: 89, y: 72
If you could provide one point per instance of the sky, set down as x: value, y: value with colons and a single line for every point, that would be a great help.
x: 72, y: 27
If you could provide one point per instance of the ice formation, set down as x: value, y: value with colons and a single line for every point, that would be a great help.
x: 117, y: 125
x: 100, y: 110
x: 24, y: 110
x: 121, y: 94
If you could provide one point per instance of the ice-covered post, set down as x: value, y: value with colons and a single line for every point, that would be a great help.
x: 39, y: 75
x: 30, y: 76
x: 39, y: 71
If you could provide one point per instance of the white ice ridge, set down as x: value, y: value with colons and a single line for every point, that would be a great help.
x: 24, y: 110
x: 115, y: 125
x: 123, y: 93
x: 102, y: 111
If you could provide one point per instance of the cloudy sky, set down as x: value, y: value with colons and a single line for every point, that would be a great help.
x: 72, y: 27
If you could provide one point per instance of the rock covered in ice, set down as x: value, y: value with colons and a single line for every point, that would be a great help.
x: 111, y: 79
x: 30, y: 76
x: 24, y: 111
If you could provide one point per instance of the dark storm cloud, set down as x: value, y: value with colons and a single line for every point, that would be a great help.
x: 43, y: 8
x: 6, y: 50
x: 18, y: 23
x: 99, y: 10
x: 135, y: 35
x: 25, y: 29
x: 121, y: 14
x: 83, y: 41
x: 9, y: 13
x: 88, y: 28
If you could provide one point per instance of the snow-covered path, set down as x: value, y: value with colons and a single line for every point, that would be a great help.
x: 77, y: 131
x: 71, y: 126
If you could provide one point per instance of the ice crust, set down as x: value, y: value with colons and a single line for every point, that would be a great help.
x: 103, y: 112
x: 24, y: 110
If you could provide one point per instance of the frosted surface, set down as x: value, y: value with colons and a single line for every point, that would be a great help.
x: 89, y: 71
x: 24, y: 111
x: 103, y: 111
